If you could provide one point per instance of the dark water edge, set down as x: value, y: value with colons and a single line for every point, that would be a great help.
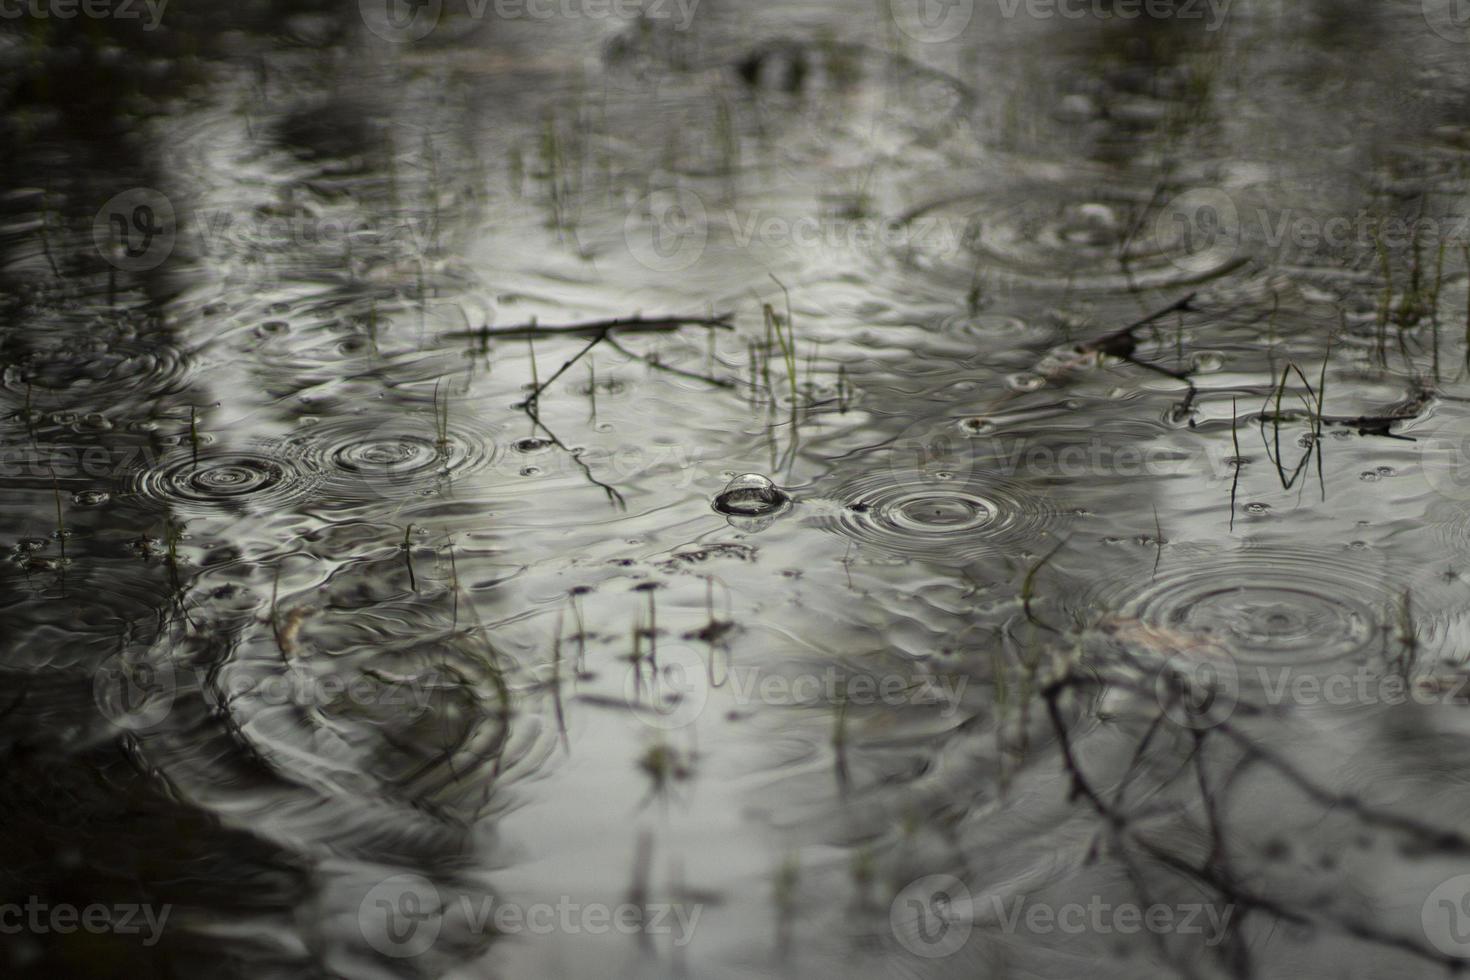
x: 1009, y: 463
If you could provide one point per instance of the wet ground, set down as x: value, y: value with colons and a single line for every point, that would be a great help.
x: 831, y: 489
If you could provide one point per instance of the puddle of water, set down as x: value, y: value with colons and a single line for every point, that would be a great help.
x: 810, y: 489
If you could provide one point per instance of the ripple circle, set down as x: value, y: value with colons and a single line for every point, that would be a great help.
x: 364, y: 459
x: 1098, y: 239
x: 945, y: 522
x: 224, y: 479
x: 1275, y: 608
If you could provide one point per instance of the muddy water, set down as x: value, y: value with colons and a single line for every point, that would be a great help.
x: 1045, y: 510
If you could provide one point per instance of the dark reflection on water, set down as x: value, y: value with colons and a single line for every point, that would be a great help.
x: 840, y: 490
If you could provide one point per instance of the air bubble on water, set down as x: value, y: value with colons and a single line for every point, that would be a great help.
x: 751, y: 495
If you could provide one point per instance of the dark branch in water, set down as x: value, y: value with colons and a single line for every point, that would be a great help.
x: 1214, y: 872
x: 661, y: 366
x: 615, y: 498
x: 596, y: 331
x: 596, y: 328
x: 1028, y: 587
x: 1379, y: 425
x: 1123, y: 344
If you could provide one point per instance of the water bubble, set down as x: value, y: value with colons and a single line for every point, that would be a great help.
x: 751, y: 495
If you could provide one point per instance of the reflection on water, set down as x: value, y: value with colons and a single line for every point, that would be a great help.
x: 924, y: 490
